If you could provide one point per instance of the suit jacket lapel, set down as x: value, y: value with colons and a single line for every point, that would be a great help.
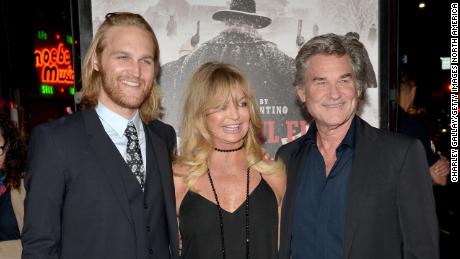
x: 357, y: 189
x: 109, y: 158
x: 294, y: 166
x: 162, y: 166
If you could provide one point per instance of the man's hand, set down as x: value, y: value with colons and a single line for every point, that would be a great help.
x: 440, y: 170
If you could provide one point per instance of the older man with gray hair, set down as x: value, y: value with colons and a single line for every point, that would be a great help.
x: 353, y: 191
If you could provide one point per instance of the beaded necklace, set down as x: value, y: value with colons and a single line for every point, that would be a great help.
x: 221, y: 220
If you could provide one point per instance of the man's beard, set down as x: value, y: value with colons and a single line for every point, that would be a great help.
x: 115, y: 92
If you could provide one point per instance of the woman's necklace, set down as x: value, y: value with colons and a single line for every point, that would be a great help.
x: 229, y: 150
x: 221, y: 220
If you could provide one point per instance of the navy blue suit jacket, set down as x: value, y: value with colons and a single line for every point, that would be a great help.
x: 83, y: 201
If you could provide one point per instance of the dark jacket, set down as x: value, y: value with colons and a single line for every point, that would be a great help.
x: 390, y: 204
x: 83, y: 201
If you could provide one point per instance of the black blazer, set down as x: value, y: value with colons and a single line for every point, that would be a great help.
x: 83, y: 202
x: 390, y: 210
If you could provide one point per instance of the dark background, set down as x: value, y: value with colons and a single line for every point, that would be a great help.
x: 424, y: 37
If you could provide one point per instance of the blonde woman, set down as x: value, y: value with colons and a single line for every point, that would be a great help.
x: 227, y: 196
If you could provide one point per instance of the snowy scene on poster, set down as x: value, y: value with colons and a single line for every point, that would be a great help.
x: 262, y: 41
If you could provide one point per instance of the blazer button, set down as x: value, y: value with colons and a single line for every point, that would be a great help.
x: 148, y: 228
x: 145, y: 206
x: 150, y: 251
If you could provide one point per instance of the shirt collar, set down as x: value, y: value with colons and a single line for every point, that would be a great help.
x: 117, y: 122
x: 310, y: 136
x: 348, y: 140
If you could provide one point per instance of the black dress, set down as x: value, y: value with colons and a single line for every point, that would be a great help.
x: 200, y: 230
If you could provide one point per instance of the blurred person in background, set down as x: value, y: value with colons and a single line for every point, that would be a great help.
x: 12, y: 193
x: 407, y: 124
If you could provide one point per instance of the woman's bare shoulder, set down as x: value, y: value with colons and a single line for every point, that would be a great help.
x: 277, y: 182
x: 179, y: 173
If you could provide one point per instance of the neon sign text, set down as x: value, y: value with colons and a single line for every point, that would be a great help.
x: 55, y: 65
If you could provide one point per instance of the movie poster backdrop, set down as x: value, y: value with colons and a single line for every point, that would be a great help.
x: 260, y: 37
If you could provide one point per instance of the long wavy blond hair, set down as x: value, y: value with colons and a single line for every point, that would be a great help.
x: 209, y: 84
x: 92, y: 79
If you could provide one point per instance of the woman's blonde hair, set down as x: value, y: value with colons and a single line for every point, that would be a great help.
x: 205, y: 90
x: 92, y: 79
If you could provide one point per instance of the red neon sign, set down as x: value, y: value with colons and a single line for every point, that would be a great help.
x: 55, y: 65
